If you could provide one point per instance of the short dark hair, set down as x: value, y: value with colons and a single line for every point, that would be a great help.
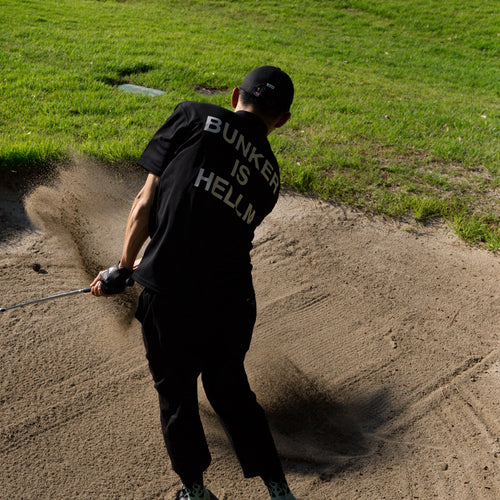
x: 262, y: 105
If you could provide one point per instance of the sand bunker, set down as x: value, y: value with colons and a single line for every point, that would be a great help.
x: 375, y: 355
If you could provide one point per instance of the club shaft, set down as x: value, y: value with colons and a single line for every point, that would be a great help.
x: 50, y: 297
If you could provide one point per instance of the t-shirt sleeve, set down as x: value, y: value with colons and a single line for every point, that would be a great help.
x: 166, y: 141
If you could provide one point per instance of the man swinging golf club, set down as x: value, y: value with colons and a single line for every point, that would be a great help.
x: 212, y: 178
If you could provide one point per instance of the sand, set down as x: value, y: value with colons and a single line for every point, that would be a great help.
x: 375, y: 354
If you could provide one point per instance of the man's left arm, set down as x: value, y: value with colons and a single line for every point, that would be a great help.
x: 136, y: 233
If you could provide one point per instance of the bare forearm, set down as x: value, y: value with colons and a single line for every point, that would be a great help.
x: 136, y: 232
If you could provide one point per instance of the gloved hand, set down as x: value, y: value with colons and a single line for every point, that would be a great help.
x: 115, y: 279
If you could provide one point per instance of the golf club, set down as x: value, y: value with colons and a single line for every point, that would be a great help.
x: 64, y: 294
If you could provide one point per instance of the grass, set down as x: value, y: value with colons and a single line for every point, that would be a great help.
x: 397, y: 104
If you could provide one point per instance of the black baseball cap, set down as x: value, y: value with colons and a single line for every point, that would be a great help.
x: 270, y: 86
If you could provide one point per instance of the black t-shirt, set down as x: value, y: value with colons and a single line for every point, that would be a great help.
x: 218, y: 180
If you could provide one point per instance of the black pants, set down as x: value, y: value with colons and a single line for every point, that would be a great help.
x: 188, y: 334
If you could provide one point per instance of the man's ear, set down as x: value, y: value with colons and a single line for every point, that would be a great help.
x: 235, y: 97
x: 282, y: 119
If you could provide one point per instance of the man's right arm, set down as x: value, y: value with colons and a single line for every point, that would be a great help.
x: 137, y: 229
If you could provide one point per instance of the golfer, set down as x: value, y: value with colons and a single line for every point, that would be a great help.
x: 212, y: 178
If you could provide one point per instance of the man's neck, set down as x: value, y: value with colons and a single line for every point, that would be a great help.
x: 251, y: 109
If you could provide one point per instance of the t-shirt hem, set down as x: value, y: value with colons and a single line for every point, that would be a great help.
x: 146, y: 284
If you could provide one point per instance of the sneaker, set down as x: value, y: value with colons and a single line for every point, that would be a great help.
x: 279, y: 491
x: 197, y: 492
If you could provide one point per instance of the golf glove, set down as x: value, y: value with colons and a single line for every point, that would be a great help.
x: 115, y: 279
